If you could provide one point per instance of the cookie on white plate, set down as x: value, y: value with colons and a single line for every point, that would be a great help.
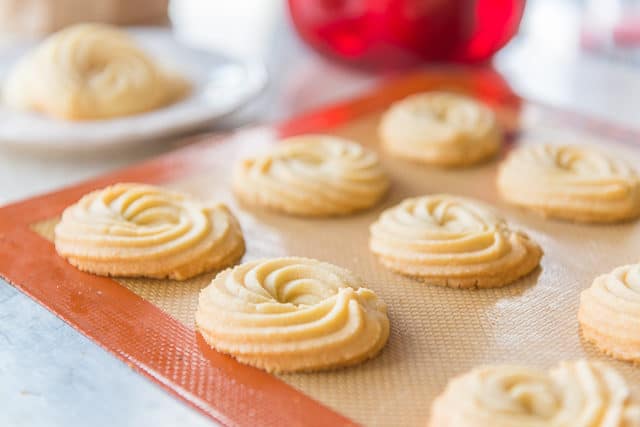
x: 90, y: 72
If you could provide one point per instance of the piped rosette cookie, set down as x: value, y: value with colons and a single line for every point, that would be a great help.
x: 580, y: 393
x: 90, y: 71
x: 452, y: 241
x: 609, y: 313
x: 146, y: 231
x: 440, y: 128
x: 312, y: 175
x: 570, y: 182
x: 292, y: 314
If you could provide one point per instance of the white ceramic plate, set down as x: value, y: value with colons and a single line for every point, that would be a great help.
x: 221, y: 84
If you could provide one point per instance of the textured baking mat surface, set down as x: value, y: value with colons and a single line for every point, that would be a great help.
x: 436, y: 333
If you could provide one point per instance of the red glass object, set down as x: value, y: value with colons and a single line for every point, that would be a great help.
x: 397, y: 33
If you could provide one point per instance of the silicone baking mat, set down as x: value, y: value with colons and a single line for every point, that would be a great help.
x: 435, y: 332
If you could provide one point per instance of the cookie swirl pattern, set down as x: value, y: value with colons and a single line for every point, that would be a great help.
x: 609, y: 313
x: 90, y: 71
x: 292, y: 314
x: 146, y: 231
x: 452, y: 241
x: 440, y: 128
x: 312, y: 175
x: 570, y: 182
x: 575, y: 394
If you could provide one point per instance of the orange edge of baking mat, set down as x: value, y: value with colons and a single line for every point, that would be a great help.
x: 151, y: 341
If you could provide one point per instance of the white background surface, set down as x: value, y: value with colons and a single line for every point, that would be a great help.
x: 52, y: 376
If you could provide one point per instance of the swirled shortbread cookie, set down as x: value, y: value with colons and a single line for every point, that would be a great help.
x: 580, y: 393
x: 292, y: 314
x: 609, y: 313
x: 570, y: 182
x: 440, y: 128
x: 312, y: 175
x: 452, y: 241
x: 141, y: 230
x: 90, y: 71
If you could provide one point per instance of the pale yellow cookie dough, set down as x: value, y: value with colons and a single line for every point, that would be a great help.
x: 579, y: 393
x: 146, y: 231
x: 570, y: 182
x: 292, y: 314
x: 87, y: 72
x: 609, y: 313
x: 452, y: 241
x: 312, y: 175
x: 440, y: 128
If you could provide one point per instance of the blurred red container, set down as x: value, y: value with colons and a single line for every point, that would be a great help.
x: 399, y: 33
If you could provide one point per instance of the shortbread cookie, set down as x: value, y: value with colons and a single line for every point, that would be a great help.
x: 146, y: 231
x: 452, y: 241
x: 580, y: 393
x: 312, y: 175
x: 570, y: 182
x: 90, y: 71
x: 609, y: 313
x: 440, y: 128
x: 292, y: 314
